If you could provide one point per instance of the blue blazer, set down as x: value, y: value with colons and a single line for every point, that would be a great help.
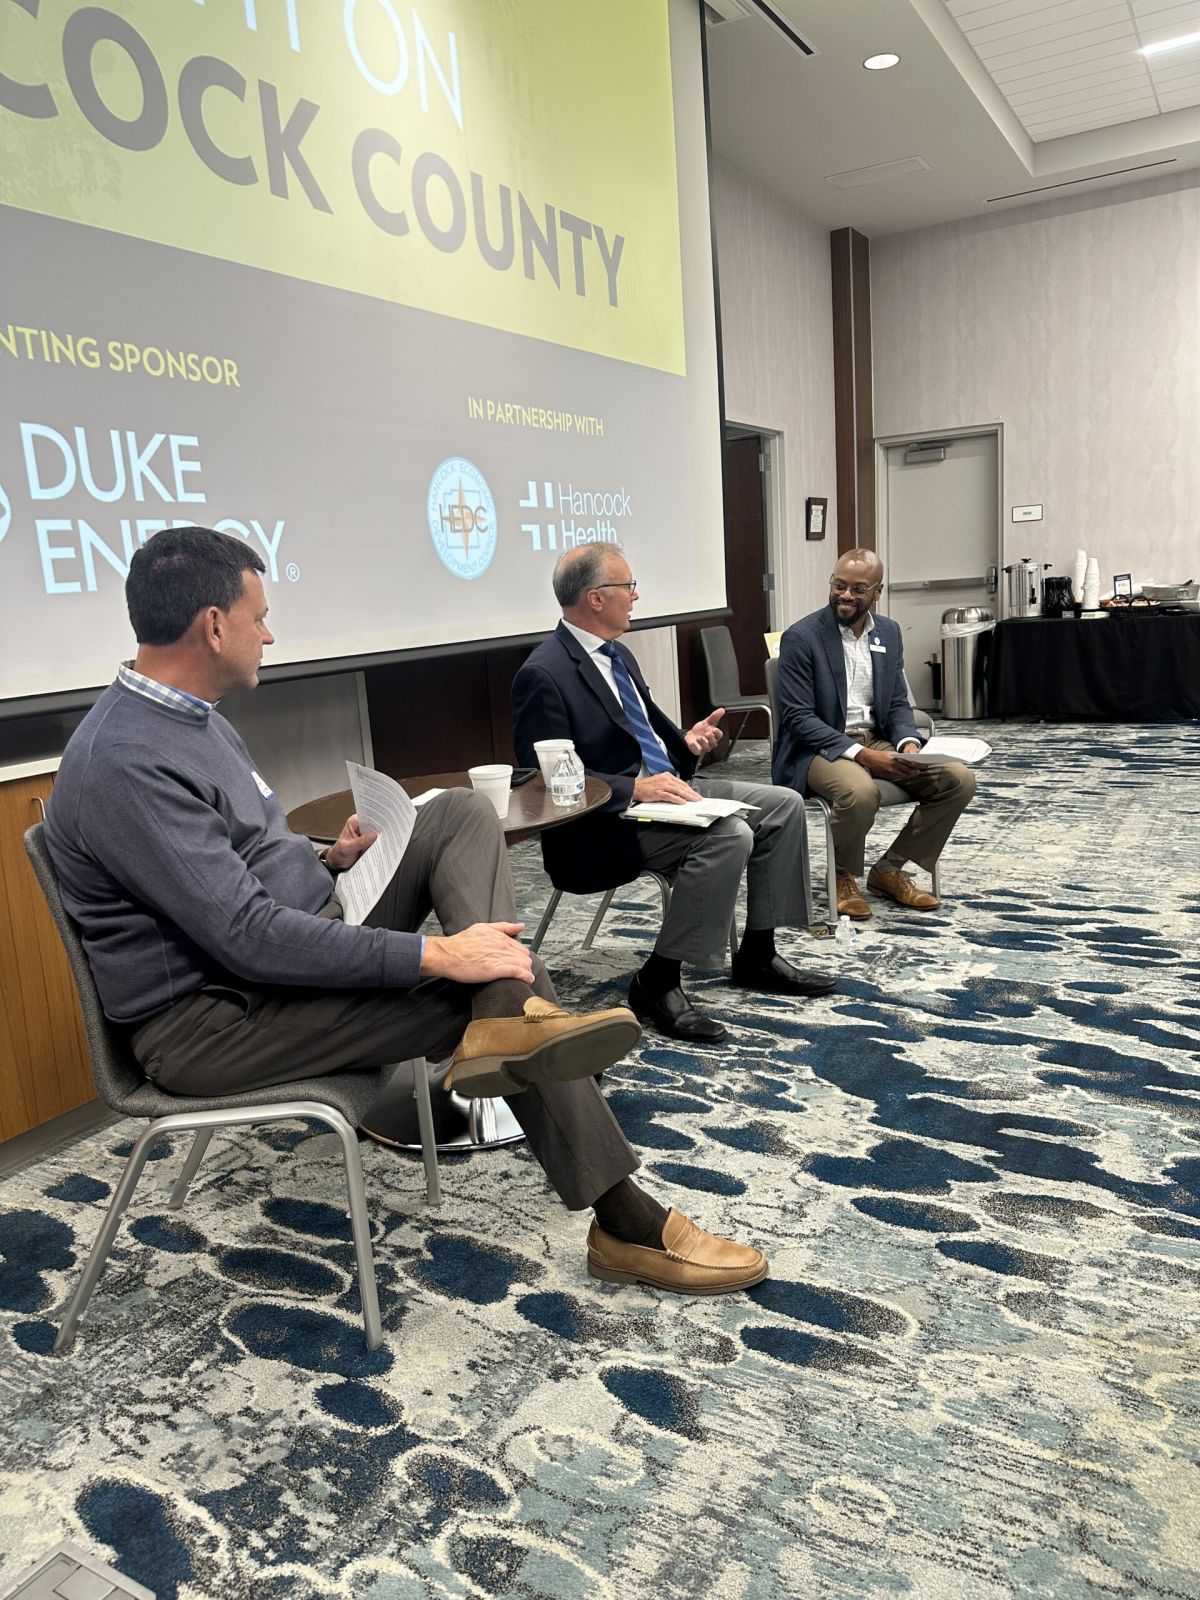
x: 812, y: 694
x: 560, y: 694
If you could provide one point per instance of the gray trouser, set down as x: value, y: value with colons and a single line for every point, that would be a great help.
x: 770, y: 844
x: 230, y: 1036
x: 942, y: 794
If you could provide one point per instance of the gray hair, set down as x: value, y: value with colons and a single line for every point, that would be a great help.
x: 576, y: 571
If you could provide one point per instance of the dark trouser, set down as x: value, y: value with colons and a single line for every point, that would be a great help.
x: 770, y: 845
x: 230, y: 1036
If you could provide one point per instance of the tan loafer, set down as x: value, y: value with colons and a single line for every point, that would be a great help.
x: 691, y: 1262
x: 503, y: 1055
x: 898, y: 886
x: 850, y: 902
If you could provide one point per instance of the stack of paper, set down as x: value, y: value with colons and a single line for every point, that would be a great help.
x: 950, y: 747
x: 688, y: 813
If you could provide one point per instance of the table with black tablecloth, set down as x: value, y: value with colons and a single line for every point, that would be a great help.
x: 1135, y: 666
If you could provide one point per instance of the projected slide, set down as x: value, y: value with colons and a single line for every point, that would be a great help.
x: 410, y: 297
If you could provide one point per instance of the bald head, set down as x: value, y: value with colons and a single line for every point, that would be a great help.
x: 854, y: 587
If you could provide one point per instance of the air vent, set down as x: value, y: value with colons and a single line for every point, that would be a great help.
x: 858, y: 176
x: 718, y: 11
x: 1071, y: 183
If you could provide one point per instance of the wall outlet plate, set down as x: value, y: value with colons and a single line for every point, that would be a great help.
x: 1027, y: 513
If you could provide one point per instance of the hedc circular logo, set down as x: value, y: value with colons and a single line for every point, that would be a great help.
x: 462, y: 517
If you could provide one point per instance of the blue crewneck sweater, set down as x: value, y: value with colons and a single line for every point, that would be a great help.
x: 177, y: 863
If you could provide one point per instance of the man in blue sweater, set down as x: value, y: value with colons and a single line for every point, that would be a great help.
x: 216, y: 939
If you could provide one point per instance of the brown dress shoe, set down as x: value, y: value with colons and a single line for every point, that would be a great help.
x: 898, y: 886
x: 502, y: 1055
x: 850, y: 902
x: 690, y: 1262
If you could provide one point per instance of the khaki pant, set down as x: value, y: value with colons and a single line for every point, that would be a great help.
x: 942, y: 794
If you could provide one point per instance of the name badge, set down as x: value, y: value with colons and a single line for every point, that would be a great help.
x: 879, y: 649
x: 264, y: 788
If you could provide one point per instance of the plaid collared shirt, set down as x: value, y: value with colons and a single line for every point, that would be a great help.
x: 162, y: 693
x: 860, y: 680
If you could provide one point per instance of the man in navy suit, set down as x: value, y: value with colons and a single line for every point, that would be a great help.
x: 846, y: 721
x: 580, y: 684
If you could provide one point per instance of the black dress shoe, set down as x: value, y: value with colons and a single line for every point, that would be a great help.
x: 779, y: 976
x: 674, y: 1014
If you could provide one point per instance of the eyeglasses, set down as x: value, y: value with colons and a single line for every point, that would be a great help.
x: 630, y: 586
x: 857, y: 591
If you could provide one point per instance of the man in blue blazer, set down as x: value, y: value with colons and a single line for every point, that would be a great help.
x: 580, y: 684
x: 846, y: 721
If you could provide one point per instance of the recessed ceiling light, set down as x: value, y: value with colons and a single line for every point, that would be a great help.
x: 881, y: 63
x: 1166, y: 44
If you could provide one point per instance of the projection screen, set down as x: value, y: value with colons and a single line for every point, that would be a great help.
x: 410, y: 297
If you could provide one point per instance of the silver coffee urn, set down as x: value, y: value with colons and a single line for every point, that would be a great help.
x: 1025, y: 579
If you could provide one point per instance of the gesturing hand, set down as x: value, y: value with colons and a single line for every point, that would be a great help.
x: 887, y: 764
x: 479, y: 954
x: 349, y: 845
x: 662, y: 788
x: 705, y: 736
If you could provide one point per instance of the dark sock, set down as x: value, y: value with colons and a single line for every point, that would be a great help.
x: 659, y: 975
x: 758, y: 946
x: 505, y: 997
x: 629, y: 1214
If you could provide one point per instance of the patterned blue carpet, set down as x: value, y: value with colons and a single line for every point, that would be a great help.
x: 973, y: 1373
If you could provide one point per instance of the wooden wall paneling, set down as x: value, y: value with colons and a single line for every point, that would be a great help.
x: 850, y: 276
x: 44, y: 1067
x: 864, y: 414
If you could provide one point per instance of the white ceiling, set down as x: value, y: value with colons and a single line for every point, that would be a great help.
x: 1069, y: 66
x: 995, y: 103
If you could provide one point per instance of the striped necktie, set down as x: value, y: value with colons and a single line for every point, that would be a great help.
x: 654, y: 757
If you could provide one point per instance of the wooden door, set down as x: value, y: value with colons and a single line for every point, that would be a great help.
x: 43, y: 1057
x: 746, y: 562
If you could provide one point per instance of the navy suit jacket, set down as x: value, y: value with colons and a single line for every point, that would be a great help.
x: 560, y: 694
x: 812, y: 694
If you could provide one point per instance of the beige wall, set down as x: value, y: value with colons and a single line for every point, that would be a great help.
x: 1076, y: 325
x: 777, y: 336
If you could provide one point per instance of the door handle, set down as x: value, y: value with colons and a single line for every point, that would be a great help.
x: 992, y: 577
x: 939, y: 583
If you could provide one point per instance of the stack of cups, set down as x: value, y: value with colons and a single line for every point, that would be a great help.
x: 549, y: 753
x: 493, y: 782
x: 1091, y: 585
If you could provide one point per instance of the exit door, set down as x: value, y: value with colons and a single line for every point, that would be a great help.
x: 940, y: 540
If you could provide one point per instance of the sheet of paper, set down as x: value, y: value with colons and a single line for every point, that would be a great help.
x: 690, y: 814
x: 950, y: 747
x: 383, y: 806
x: 430, y: 794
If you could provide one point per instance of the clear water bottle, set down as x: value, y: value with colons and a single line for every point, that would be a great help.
x: 566, y: 784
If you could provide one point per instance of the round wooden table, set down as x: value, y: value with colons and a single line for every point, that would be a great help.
x: 530, y: 808
x: 461, y: 1124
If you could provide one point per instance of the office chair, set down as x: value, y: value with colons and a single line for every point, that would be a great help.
x: 339, y: 1101
x: 724, y: 683
x: 890, y: 794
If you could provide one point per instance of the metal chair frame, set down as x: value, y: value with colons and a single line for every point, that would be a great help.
x: 338, y: 1101
x: 890, y: 794
x: 664, y: 889
x: 724, y: 683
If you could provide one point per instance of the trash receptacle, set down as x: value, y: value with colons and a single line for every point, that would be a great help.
x: 963, y: 632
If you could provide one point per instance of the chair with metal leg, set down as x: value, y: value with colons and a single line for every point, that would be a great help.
x: 664, y: 889
x: 725, y: 685
x: 338, y: 1100
x: 890, y: 794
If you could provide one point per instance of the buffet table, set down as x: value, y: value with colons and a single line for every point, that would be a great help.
x: 1140, y: 666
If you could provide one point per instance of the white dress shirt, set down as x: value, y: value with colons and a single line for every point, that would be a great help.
x: 860, y: 682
